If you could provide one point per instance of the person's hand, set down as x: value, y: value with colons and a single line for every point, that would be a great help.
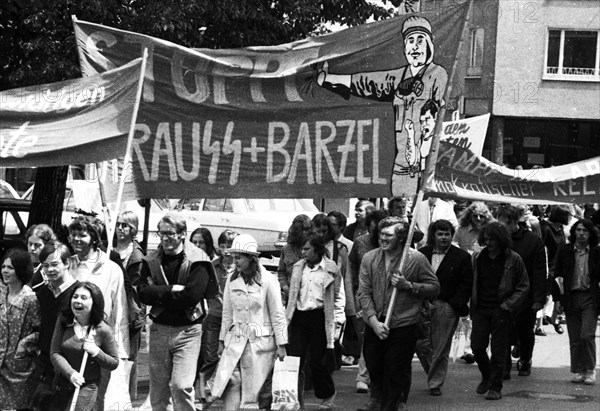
x: 221, y: 348
x: 381, y: 330
x: 89, y: 345
x: 77, y: 379
x: 400, y: 282
x: 537, y: 306
x: 409, y: 126
x: 281, y: 352
x: 323, y: 72
x: 177, y: 287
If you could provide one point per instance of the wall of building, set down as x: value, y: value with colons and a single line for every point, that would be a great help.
x: 519, y: 89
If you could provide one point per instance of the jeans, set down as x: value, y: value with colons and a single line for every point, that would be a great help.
x: 173, y: 355
x: 443, y: 325
x: 522, y: 330
x: 389, y: 363
x: 492, y: 322
x: 209, y: 347
x: 582, y: 316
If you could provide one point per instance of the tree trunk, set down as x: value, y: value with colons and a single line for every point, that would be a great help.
x: 48, y: 197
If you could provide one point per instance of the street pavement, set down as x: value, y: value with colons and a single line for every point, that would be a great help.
x: 547, y: 388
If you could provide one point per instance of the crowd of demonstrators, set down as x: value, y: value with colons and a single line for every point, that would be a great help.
x: 81, y: 320
x: 253, y: 331
x: 315, y: 314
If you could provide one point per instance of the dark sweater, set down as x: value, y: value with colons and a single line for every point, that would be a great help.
x: 490, y: 274
x: 67, y: 352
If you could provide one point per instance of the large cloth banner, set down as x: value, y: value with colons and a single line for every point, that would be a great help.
x: 461, y: 174
x: 348, y: 114
x: 69, y: 122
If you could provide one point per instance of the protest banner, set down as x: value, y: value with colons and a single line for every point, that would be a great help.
x: 467, y: 132
x: 330, y: 116
x: 461, y: 174
x: 69, y: 122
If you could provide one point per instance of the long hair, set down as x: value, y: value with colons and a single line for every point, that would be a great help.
x: 132, y: 221
x: 255, y: 271
x: 321, y: 220
x: 559, y: 214
x: 21, y: 261
x: 589, y: 226
x: 498, y: 232
x: 478, y: 207
x: 208, y: 241
x: 93, y: 226
x: 439, y: 225
x: 296, y: 234
x: 97, y: 313
x: 375, y: 217
x: 318, y: 244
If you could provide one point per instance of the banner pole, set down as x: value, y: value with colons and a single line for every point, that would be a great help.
x: 127, y: 158
x: 429, y: 171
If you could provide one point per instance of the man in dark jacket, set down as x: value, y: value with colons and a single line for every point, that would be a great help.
x: 453, y: 269
x: 174, y: 280
x: 531, y: 249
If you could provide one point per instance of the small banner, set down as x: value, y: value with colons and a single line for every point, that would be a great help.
x: 468, y: 133
x: 69, y: 122
x: 348, y: 114
x: 461, y: 174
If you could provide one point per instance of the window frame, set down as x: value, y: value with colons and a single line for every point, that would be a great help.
x: 475, y: 70
x: 559, y: 76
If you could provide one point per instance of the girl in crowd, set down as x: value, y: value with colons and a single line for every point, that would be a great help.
x: 315, y: 313
x: 131, y: 254
x: 202, y: 238
x: 81, y: 329
x: 252, y: 338
x: 19, y: 325
x: 291, y: 252
x: 37, y: 237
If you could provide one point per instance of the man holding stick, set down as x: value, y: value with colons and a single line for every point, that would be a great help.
x: 389, y: 344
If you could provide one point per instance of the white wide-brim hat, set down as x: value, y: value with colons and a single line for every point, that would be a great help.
x: 244, y: 244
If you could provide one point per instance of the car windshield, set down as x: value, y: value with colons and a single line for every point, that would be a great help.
x: 252, y: 204
x: 276, y: 204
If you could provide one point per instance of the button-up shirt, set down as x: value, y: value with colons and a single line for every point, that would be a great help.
x: 581, y: 275
x: 437, y: 257
x: 311, y: 288
x: 56, y: 291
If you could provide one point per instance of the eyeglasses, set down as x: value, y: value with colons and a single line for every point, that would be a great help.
x: 122, y: 225
x: 478, y: 216
x: 168, y: 234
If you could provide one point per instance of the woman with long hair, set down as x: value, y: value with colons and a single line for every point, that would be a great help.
x: 471, y: 222
x: 37, y: 236
x: 253, y: 329
x: 202, y: 238
x: 291, y: 253
x: 19, y: 326
x: 80, y: 329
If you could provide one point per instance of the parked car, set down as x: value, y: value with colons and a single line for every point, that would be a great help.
x: 266, y: 219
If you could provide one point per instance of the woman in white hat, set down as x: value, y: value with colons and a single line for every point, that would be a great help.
x: 253, y: 329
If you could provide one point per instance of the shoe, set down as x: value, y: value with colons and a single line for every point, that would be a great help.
x: 436, y: 392
x: 493, y: 395
x: 558, y: 328
x: 483, y: 387
x: 516, y: 352
x: 578, y: 378
x: 469, y: 358
x: 347, y: 360
x: 328, y: 403
x: 540, y: 332
x: 506, y: 375
x: 362, y: 388
x: 371, y: 405
x: 524, y: 369
x: 590, y: 378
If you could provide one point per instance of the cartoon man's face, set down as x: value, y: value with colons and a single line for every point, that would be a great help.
x: 427, y: 121
x: 415, y: 49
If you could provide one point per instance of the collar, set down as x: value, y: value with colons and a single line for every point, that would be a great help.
x: 316, y: 266
x: 437, y: 251
x: 63, y: 287
x: 19, y: 300
x: 581, y: 250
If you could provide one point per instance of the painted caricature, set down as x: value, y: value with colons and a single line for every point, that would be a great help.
x: 409, y: 88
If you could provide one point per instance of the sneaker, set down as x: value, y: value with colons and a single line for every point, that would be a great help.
x: 493, y: 395
x: 590, y: 378
x: 578, y: 378
x: 328, y: 403
x: 558, y: 328
x: 362, y: 388
x: 483, y: 387
x: 436, y: 392
x: 540, y: 332
x: 516, y: 352
x: 371, y: 405
x: 469, y: 358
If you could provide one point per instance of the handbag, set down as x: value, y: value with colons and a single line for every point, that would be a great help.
x: 285, y: 384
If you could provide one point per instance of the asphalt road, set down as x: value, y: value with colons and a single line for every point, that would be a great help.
x: 547, y: 388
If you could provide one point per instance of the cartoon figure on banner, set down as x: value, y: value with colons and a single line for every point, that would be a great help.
x: 410, y: 88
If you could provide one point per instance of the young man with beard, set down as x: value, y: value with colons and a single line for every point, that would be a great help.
x: 453, y: 269
x: 53, y: 298
x: 389, y: 349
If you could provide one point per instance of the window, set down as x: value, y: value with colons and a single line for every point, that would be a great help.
x: 476, y: 52
x: 572, y: 55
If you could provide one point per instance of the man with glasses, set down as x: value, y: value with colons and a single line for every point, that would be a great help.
x: 174, y: 280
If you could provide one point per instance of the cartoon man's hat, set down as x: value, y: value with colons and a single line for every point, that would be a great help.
x: 416, y: 23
